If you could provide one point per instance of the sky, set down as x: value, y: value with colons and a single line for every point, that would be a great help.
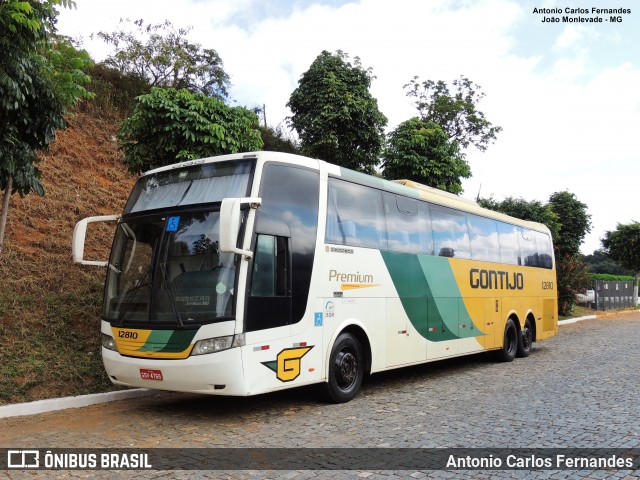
x: 567, y: 94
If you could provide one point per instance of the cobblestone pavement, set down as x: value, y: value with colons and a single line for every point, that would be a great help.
x: 579, y: 389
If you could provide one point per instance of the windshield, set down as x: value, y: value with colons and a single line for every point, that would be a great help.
x: 168, y: 269
x: 202, y: 183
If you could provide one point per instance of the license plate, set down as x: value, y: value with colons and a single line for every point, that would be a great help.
x: 148, y: 374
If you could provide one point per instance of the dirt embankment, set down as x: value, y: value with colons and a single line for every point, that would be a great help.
x: 49, y: 307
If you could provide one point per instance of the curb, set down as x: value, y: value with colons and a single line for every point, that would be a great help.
x: 577, y: 319
x: 53, y: 404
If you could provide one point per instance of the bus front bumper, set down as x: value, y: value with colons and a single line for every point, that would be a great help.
x: 219, y: 373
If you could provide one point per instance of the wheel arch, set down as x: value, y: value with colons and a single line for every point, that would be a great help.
x: 532, y: 321
x: 359, y: 332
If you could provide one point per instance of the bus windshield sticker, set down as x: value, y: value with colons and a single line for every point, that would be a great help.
x: 172, y: 224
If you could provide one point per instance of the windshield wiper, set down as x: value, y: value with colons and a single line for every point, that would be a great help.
x: 130, y: 294
x: 172, y: 294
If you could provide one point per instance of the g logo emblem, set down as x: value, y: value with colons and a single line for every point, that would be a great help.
x: 287, y: 364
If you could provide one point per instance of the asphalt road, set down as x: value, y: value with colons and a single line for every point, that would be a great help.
x: 577, y: 390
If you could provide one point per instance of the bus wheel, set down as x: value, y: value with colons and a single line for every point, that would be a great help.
x: 525, y: 342
x: 510, y: 344
x: 346, y: 369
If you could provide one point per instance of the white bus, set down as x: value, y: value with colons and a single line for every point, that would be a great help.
x: 256, y: 272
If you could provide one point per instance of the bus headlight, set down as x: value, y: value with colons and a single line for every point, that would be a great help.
x: 212, y: 345
x: 108, y: 342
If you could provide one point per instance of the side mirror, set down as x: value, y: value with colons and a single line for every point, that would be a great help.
x: 79, y: 235
x: 230, y: 224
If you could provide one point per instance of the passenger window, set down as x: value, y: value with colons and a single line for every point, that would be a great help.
x: 407, y: 227
x: 528, y: 249
x: 355, y: 215
x: 450, y: 232
x: 509, y: 243
x: 484, y: 239
x: 545, y: 251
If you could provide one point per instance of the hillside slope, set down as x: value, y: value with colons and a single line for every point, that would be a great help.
x: 49, y: 307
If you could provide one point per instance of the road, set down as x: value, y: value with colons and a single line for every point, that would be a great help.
x: 577, y: 390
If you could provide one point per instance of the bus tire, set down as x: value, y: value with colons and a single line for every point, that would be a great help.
x: 510, y: 344
x: 525, y: 340
x: 346, y: 369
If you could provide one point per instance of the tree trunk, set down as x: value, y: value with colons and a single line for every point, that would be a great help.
x: 635, y: 289
x: 5, y: 210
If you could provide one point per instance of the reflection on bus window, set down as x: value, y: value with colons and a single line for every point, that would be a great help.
x: 355, y: 215
x: 408, y: 225
x: 450, y: 232
x: 484, y: 239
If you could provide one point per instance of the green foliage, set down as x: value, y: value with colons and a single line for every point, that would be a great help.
x: 42, y: 75
x: 276, y: 140
x: 68, y: 68
x: 165, y: 58
x: 455, y: 112
x: 114, y: 91
x: 607, y: 277
x: 169, y: 125
x: 573, y: 278
x: 600, y: 263
x: 575, y: 222
x: 534, y: 211
x: 623, y: 245
x: 335, y: 115
x: 421, y: 151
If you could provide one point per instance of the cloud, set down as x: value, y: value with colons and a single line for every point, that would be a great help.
x: 566, y: 96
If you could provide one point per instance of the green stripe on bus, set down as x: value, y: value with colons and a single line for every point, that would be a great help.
x: 430, y: 295
x: 168, y: 341
x: 179, y: 341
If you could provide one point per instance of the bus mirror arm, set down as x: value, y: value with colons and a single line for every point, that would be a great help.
x: 230, y: 223
x: 79, y: 236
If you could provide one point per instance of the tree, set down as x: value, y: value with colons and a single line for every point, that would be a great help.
x: 600, y: 262
x: 572, y: 271
x: 534, y: 211
x: 276, y: 140
x: 165, y: 58
x: 575, y: 222
x: 573, y: 278
x: 169, y: 125
x: 456, y: 113
x: 41, y: 76
x: 421, y: 151
x: 623, y: 246
x: 335, y: 115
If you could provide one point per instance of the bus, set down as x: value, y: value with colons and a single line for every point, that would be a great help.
x: 250, y: 273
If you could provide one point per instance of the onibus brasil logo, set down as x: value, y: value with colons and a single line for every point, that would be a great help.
x: 287, y: 363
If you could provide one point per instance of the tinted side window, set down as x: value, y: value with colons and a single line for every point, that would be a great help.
x: 528, y: 249
x: 450, y: 232
x: 290, y: 199
x: 484, y: 239
x: 408, y: 225
x: 545, y: 250
x: 355, y: 215
x: 508, y: 237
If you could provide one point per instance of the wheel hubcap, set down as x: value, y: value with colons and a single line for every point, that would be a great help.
x: 526, y: 338
x: 346, y: 369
